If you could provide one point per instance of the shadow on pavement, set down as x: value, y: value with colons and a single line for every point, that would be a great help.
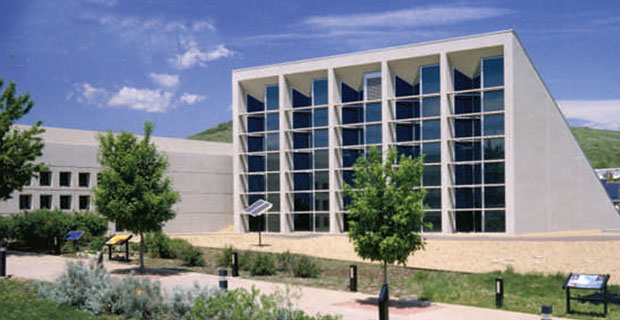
x: 149, y: 272
x: 397, y: 304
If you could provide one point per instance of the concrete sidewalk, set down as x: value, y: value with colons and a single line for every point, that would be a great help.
x: 354, y: 306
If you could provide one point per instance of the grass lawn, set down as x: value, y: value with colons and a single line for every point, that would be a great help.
x: 19, y: 303
x: 523, y: 293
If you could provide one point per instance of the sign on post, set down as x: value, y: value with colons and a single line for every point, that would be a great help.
x: 582, y: 281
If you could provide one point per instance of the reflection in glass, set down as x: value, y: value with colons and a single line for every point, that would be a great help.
x: 352, y: 136
x: 273, y: 122
x: 256, y: 123
x: 347, y: 177
x: 321, y: 159
x: 468, y: 221
x: 302, y: 222
x: 256, y: 144
x: 432, y: 152
x: 319, y: 92
x: 372, y: 85
x: 256, y: 163
x: 430, y: 130
x: 494, y: 100
x: 321, y: 139
x: 495, y: 221
x: 273, y: 97
x: 273, y: 162
x: 467, y: 174
x: 494, y: 172
x: 320, y: 117
x: 493, y: 124
x: 301, y: 181
x: 430, y: 79
x: 349, y: 156
x: 432, y: 218
x: 273, y: 141
x: 430, y: 107
x: 494, y: 149
x: 273, y: 182
x: 431, y: 176
x: 273, y: 222
x: 467, y: 150
x: 321, y: 180
x: 468, y: 197
x: 256, y: 183
x: 373, y: 134
x: 408, y: 151
x: 407, y: 109
x: 321, y: 201
x: 302, y: 160
x: 407, y: 132
x: 321, y: 222
x: 493, y: 72
x: 373, y: 112
x: 274, y: 198
x: 467, y: 103
x: 302, y: 201
x: 433, y: 198
x: 467, y: 126
x: 494, y: 197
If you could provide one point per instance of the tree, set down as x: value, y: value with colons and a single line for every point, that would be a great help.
x: 386, y: 210
x: 18, y: 148
x: 133, y: 191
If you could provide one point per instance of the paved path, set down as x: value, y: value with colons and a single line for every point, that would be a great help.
x: 354, y: 306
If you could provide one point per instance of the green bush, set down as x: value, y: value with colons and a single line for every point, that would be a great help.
x: 285, y: 261
x: 193, y: 257
x: 304, y: 267
x: 158, y: 245
x: 224, y: 258
x: 97, y: 243
x: 263, y: 265
x: 6, y: 229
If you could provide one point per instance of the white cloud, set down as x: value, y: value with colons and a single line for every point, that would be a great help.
x: 142, y: 99
x: 194, y: 56
x: 88, y: 94
x: 164, y: 79
x: 601, y: 114
x: 201, y: 25
x: 107, y: 3
x: 190, y: 99
x: 407, y: 18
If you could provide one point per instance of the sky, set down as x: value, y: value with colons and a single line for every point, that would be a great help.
x: 111, y: 65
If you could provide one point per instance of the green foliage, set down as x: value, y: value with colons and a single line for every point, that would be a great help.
x: 386, y: 211
x: 37, y: 229
x: 18, y: 148
x: 7, y: 229
x: 304, y: 267
x: 285, y: 261
x: 241, y: 304
x: 158, y: 245
x: 220, y: 133
x: 224, y: 258
x: 602, y: 147
x: 183, y: 300
x: 263, y: 265
x: 133, y: 190
x: 192, y: 256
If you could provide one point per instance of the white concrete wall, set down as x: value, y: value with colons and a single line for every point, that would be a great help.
x: 555, y: 188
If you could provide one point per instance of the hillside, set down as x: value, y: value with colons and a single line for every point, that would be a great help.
x: 602, y: 147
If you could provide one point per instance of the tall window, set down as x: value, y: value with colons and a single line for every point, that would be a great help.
x: 65, y: 179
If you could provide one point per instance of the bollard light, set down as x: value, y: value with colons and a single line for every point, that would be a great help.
x: 353, y: 278
x: 546, y: 312
x: 499, y: 292
x: 234, y: 264
x: 384, y: 300
x: 2, y: 262
x: 223, y: 273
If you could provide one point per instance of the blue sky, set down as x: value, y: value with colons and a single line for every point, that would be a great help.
x: 108, y: 64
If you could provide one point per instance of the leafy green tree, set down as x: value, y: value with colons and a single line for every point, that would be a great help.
x: 133, y: 191
x: 18, y: 148
x: 386, y: 210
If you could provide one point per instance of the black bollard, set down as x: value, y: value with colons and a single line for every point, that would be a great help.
x: 384, y: 300
x: 234, y: 264
x: 546, y: 312
x: 223, y: 273
x: 353, y: 278
x: 2, y: 262
x: 499, y: 292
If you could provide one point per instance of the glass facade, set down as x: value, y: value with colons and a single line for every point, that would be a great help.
x: 299, y: 152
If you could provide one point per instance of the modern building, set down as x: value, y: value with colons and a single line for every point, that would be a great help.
x: 499, y: 154
x: 200, y: 171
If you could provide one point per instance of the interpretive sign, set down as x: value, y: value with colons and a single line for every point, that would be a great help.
x: 120, y: 240
x: 583, y: 281
x: 74, y: 235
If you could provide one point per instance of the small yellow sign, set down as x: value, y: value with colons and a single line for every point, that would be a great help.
x: 118, y: 239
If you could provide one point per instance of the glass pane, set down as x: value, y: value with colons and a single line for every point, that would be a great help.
x: 494, y: 172
x: 349, y: 156
x: 434, y: 219
x: 408, y: 151
x: 433, y: 198
x: 255, y: 197
x: 467, y: 150
x: 273, y: 122
x: 352, y: 114
x: 256, y: 163
x: 430, y: 107
x: 274, y: 198
x: 347, y: 177
x: 256, y: 224
x: 432, y: 176
x: 494, y: 149
x: 373, y: 85
x: 301, y: 140
x: 273, y: 142
x: 256, y: 183
x: 302, y: 222
x: 404, y: 132
x: 273, y: 97
x: 352, y: 136
x: 273, y: 162
x: 256, y: 144
x: 319, y: 91
x: 321, y: 180
x: 273, y: 223
x: 373, y: 112
x: 321, y: 159
x: 467, y: 127
x: 273, y: 182
x: 494, y: 197
x: 302, y: 181
x: 430, y: 130
x: 373, y: 134
x: 403, y: 88
x: 321, y: 201
x: 432, y: 152
x: 321, y: 222
x: 493, y: 124
x: 253, y: 104
x: 495, y: 221
x: 430, y: 79
x: 321, y: 139
x: 463, y: 82
x: 407, y: 109
x: 302, y: 160
x: 493, y: 72
x: 256, y: 123
x: 467, y: 174
x: 468, y: 221
x: 467, y: 103
x: 301, y: 119
x: 349, y: 94
x: 468, y: 197
x: 320, y: 117
x: 302, y: 201
x: 300, y: 99
x: 494, y: 100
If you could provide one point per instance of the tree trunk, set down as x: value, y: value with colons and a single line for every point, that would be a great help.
x: 141, y: 253
x: 384, y: 272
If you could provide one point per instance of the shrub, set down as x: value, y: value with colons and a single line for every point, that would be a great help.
x: 7, y: 229
x: 193, y: 257
x: 97, y: 243
x: 183, y: 301
x: 304, y: 267
x: 285, y: 261
x: 137, y: 298
x: 158, y: 245
x: 263, y: 265
x: 246, y: 260
x: 224, y: 258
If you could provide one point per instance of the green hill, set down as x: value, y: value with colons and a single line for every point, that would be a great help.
x: 602, y: 147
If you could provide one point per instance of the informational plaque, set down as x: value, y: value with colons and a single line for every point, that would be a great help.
x: 587, y: 281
